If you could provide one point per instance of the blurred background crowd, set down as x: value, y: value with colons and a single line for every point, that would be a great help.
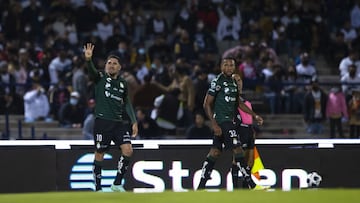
x: 170, y: 51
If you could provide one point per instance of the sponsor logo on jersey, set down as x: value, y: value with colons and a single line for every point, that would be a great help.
x: 229, y: 99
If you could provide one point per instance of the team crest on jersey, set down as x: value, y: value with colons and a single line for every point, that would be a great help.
x: 213, y: 85
x: 218, y: 87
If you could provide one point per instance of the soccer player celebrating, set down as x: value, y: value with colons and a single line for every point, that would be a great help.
x: 112, y: 101
x: 220, y: 103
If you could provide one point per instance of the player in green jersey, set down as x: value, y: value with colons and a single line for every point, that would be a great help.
x: 112, y: 102
x: 220, y: 104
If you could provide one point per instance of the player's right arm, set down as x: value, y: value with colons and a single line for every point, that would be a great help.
x: 208, y: 104
x: 88, y: 53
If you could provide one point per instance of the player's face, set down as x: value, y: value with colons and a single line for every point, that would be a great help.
x: 228, y: 67
x: 112, y: 67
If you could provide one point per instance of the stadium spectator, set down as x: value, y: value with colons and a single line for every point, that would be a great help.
x: 105, y: 28
x: 185, y: 48
x: 185, y: 18
x: 204, y: 40
x: 36, y: 104
x: 160, y: 49
x: 305, y: 70
x: 87, y: 16
x: 272, y: 74
x: 10, y: 101
x: 248, y: 72
x: 148, y: 128
x: 186, y: 96
x: 146, y: 93
x: 229, y: 25
x: 336, y: 111
x: 201, y: 85
x: 355, y: 15
x: 315, y: 108
x: 157, y: 25
x: 338, y: 50
x: 124, y: 53
x: 71, y: 114
x: 349, y: 32
x: 198, y: 130
x: 354, y: 112
x: 88, y: 125
x: 207, y: 12
x: 350, y: 81
x: 32, y: 20
x: 59, y: 94
x: 292, y: 93
x: 116, y: 37
x: 167, y: 111
x: 352, y: 58
x: 59, y: 67
x: 79, y: 77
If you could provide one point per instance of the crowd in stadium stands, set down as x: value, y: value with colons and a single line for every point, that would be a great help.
x: 170, y: 50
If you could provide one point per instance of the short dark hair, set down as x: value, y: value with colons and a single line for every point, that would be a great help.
x: 114, y: 57
x: 227, y: 58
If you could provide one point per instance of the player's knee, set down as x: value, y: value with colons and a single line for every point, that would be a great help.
x: 215, y: 153
x: 127, y: 150
x: 99, y: 156
x: 238, y: 150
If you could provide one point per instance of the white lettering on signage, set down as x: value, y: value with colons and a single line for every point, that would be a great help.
x: 142, y: 171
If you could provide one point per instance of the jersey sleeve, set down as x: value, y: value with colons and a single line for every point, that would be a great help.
x: 93, y: 73
x: 215, y: 87
x: 128, y: 105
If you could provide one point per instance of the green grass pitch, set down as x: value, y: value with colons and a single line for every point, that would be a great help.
x: 278, y: 196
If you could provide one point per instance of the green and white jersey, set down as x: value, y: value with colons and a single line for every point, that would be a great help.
x: 110, y: 95
x: 225, y: 91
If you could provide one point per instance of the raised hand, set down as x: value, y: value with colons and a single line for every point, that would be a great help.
x: 88, y: 51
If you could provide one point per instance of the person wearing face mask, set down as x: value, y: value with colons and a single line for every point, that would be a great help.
x: 71, y: 114
x: 123, y: 53
x: 315, y: 108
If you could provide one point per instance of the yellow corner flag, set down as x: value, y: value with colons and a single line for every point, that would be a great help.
x: 258, y: 165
